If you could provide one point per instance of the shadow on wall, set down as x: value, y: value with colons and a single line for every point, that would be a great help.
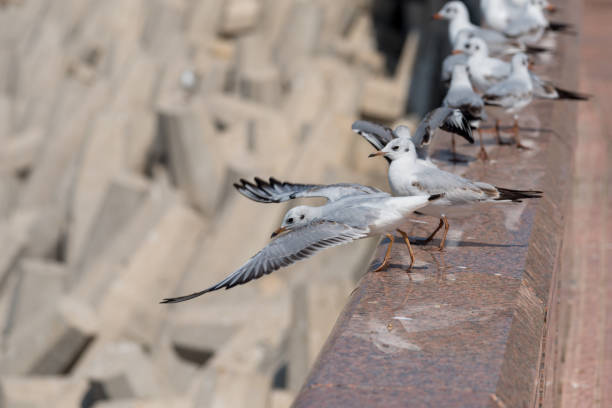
x: 393, y: 20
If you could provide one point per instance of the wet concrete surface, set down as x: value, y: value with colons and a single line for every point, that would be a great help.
x: 465, y: 328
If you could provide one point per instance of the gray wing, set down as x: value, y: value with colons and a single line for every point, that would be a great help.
x: 491, y: 36
x: 275, y: 191
x: 467, y: 101
x: 448, y: 119
x: 456, y: 189
x: 293, y: 246
x: 507, y: 93
x: 542, y: 88
x: 378, y: 136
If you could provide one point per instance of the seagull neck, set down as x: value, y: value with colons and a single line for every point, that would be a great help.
x: 460, y: 22
x: 460, y: 79
x: 521, y: 73
x: 403, y: 162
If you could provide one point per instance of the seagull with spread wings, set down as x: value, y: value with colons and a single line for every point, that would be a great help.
x: 353, y: 211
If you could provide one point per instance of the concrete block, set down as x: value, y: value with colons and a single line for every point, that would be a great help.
x: 48, y: 187
x: 203, y: 20
x: 6, y: 115
x: 14, y: 235
x: 123, y: 197
x: 384, y: 98
x: 9, y: 194
x: 281, y: 399
x: 299, y: 37
x: 19, y: 152
x: 101, y: 160
x: 52, y: 340
x: 257, y: 78
x: 136, y: 85
x: 124, y: 370
x: 194, y: 162
x: 34, y: 392
x: 130, y: 308
x: 100, y: 269
x: 238, y: 16
x: 139, y: 136
x: 310, y: 328
x: 41, y: 284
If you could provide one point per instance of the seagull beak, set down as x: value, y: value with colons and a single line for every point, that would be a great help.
x: 278, y: 231
x: 437, y: 16
x: 378, y: 153
x: 455, y: 52
x: 550, y: 8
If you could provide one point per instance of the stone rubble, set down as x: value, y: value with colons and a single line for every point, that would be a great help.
x: 123, y: 125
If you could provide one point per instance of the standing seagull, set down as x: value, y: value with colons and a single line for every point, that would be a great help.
x: 513, y: 93
x: 448, y: 119
x: 353, y: 212
x: 486, y: 71
x: 459, y: 20
x: 409, y: 177
x: 461, y: 96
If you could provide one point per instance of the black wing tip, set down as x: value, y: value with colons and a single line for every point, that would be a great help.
x: 534, y: 49
x: 517, y: 195
x: 571, y: 95
x: 435, y: 197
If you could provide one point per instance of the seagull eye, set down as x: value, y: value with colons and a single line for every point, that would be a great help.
x: 467, y: 46
x: 302, y: 217
x: 289, y: 220
x: 394, y: 148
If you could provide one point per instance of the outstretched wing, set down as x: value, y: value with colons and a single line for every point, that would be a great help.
x: 275, y: 191
x: 293, y: 246
x: 378, y: 136
x: 448, y: 119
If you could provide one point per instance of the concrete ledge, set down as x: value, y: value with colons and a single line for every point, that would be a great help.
x: 467, y: 327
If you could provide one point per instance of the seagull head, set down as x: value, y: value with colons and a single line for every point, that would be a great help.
x: 451, y: 11
x: 397, y: 148
x: 520, y: 62
x: 476, y: 46
x: 296, y: 217
x: 462, y: 40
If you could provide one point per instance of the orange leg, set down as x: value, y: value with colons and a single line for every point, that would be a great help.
x: 517, y: 139
x: 433, y: 234
x: 407, y: 241
x: 446, y: 227
x: 385, y: 261
x: 482, y: 154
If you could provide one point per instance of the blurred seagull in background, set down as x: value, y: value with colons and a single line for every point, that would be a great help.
x: 459, y: 20
x: 458, y: 56
x: 461, y: 96
x: 409, y: 177
x: 352, y: 212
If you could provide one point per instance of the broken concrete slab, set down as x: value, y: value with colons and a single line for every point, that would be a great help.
x: 194, y: 162
x: 128, y: 307
x: 124, y: 370
x: 51, y: 341
x: 18, y: 153
x: 34, y: 392
x: 238, y: 16
x: 41, y: 284
x: 123, y: 197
